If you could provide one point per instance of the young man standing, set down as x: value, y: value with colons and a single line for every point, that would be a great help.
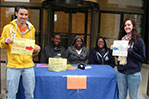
x: 18, y: 64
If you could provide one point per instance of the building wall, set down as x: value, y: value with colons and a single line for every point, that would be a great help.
x: 111, y: 14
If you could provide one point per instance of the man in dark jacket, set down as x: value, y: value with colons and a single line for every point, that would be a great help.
x: 54, y: 49
x: 101, y: 54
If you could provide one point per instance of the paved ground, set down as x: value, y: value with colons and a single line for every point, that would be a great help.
x: 143, y: 87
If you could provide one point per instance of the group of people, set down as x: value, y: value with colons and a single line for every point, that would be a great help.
x: 128, y: 75
x: 77, y: 53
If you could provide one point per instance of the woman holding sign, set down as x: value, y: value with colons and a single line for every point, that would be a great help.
x: 129, y: 74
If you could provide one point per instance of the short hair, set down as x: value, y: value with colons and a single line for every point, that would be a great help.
x: 20, y: 7
x: 55, y: 35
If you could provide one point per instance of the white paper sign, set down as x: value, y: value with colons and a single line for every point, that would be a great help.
x: 120, y: 48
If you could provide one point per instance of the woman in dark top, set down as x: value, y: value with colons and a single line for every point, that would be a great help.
x: 101, y: 54
x: 129, y: 74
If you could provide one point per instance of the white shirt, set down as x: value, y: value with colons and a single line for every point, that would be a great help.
x: 79, y: 51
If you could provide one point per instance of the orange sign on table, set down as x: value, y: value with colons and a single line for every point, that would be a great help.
x: 76, y: 81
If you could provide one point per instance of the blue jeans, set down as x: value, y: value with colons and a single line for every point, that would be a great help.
x: 130, y: 82
x: 13, y: 79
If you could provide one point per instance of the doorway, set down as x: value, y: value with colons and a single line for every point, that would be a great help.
x: 70, y: 24
x: 68, y: 19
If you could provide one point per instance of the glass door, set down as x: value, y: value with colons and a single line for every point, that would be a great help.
x: 6, y: 15
x: 71, y: 24
x: 109, y: 27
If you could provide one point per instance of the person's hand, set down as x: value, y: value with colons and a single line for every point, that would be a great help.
x: 111, y: 47
x: 8, y: 40
x: 37, y: 49
x: 128, y: 47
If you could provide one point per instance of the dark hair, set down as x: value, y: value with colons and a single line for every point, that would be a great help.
x: 135, y: 33
x: 55, y: 35
x: 20, y: 7
x: 75, y: 39
x: 100, y: 37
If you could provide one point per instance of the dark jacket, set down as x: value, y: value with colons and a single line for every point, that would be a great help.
x: 95, y: 56
x: 50, y: 51
x: 136, y: 56
x: 73, y: 57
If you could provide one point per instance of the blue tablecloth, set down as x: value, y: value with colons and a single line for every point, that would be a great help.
x: 101, y: 84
